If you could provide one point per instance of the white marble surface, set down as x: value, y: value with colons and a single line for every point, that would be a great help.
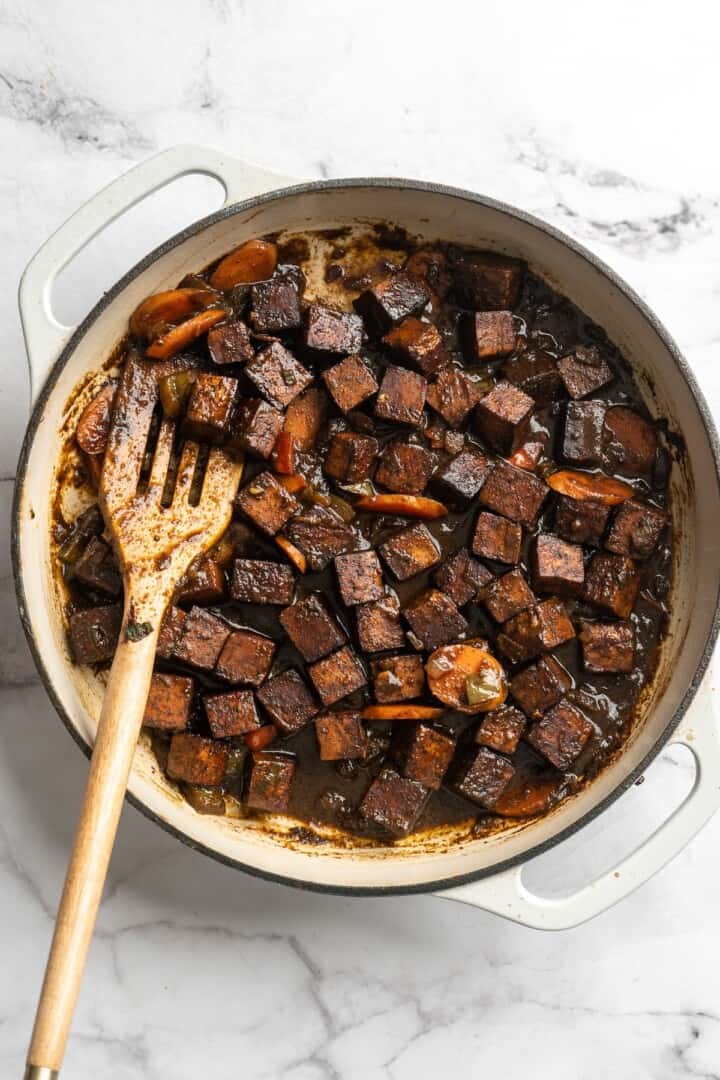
x: 601, y: 119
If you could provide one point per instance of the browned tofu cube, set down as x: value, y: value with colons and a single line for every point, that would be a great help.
x: 583, y: 435
x: 378, y: 625
x: 350, y: 457
x: 170, y: 630
x: 502, y: 416
x: 277, y: 374
x: 453, y: 394
x: 305, y: 416
x: 608, y: 647
x: 350, y: 383
x: 256, y: 428
x: 97, y: 569
x: 430, y: 266
x: 483, y: 776
x: 487, y: 334
x: 196, y: 760
x: 584, y: 371
x: 636, y: 529
x: 507, y: 596
x: 275, y: 304
x: 201, y: 639
x: 404, y: 468
x: 230, y: 343
x: 398, y: 678
x: 246, y: 658
x: 394, y: 803
x: 497, y: 538
x: 540, y: 686
x: 311, y: 628
x: 231, y: 714
x: 288, y: 701
x: 341, y: 735
x: 401, y: 397
x: 271, y: 778
x: 612, y: 582
x: 501, y: 729
x: 631, y: 442
x: 488, y: 282
x: 581, y: 521
x: 411, y: 551
x: 460, y: 480
x: 461, y: 577
x: 434, y: 619
x: 267, y: 503
x: 417, y: 343
x: 561, y: 734
x: 337, y: 675
x: 204, y: 583
x: 168, y: 703
x: 557, y: 566
x: 257, y: 581
x: 423, y: 753
x: 210, y: 409
x: 359, y: 577
x: 328, y: 333
x: 514, y: 493
x: 321, y: 534
x: 536, y: 373
x: 535, y: 630
x: 390, y: 301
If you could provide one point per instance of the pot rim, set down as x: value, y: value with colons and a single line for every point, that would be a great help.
x: 195, y: 229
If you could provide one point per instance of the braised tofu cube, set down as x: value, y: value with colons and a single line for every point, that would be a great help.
x: 401, y: 397
x: 275, y: 304
x: 390, y: 301
x: 417, y: 343
x: 337, y: 675
x: 535, y: 630
x: 540, y: 686
x: 359, y: 577
x: 535, y: 372
x: 404, y: 468
x: 311, y: 628
x: 557, y: 566
x: 502, y: 416
x: 210, y: 409
x: 230, y: 343
x: 196, y: 760
x: 410, y: 551
x: 327, y: 332
x: 507, y: 596
x: 631, y: 442
x: 514, y: 493
x: 636, y: 529
x: 434, y: 619
x: 231, y: 714
x: 204, y: 583
x: 584, y: 371
x: 201, y: 640
x: 561, y: 735
x: 341, y: 736
x: 168, y: 703
x: 271, y: 778
x: 257, y: 581
x: 461, y: 577
x: 423, y: 754
x: 288, y: 701
x: 256, y: 428
x: 394, y: 803
x: 321, y: 534
x: 488, y: 282
x: 398, y: 678
x: 497, y: 538
x: 608, y: 647
x: 277, y: 374
x: 350, y: 383
x: 378, y: 625
x: 350, y: 457
x: 488, y: 334
x: 453, y: 395
x: 501, y: 729
x: 581, y: 521
x: 430, y: 266
x: 170, y: 630
x: 612, y: 582
x: 460, y: 480
x: 305, y: 417
x: 246, y: 658
x: 267, y: 503
x: 97, y: 569
x: 483, y: 776
x: 583, y: 435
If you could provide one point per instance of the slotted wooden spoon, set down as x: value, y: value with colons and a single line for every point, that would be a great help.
x: 155, y: 545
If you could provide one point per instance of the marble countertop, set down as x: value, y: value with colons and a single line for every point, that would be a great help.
x: 598, y: 120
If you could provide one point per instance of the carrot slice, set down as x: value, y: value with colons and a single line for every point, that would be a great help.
x: 405, y: 505
x: 180, y: 336
x: 449, y: 668
x: 154, y: 315
x: 284, y: 454
x: 260, y: 738
x: 293, y: 483
x: 294, y: 554
x: 254, y: 260
x: 401, y: 712
x: 531, y: 798
x: 594, y: 486
x: 91, y: 433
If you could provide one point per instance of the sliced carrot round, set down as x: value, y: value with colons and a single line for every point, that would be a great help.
x: 401, y: 712
x: 165, y: 309
x: 93, y: 426
x: 416, y: 506
x: 594, y: 486
x: 467, y: 678
x: 180, y: 336
x: 530, y: 798
x: 253, y: 261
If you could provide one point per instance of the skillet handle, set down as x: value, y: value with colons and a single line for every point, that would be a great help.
x: 45, y: 337
x: 505, y: 893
